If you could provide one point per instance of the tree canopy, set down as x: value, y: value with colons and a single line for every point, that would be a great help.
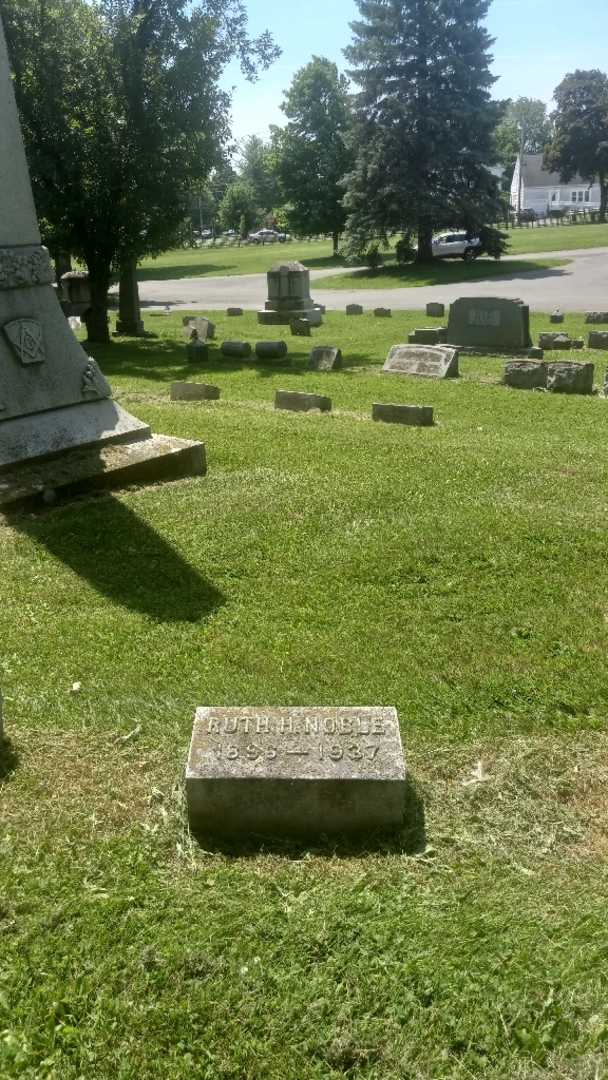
x: 525, y: 126
x: 424, y: 120
x: 580, y: 136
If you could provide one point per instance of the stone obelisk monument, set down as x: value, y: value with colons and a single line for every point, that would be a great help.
x: 58, y: 424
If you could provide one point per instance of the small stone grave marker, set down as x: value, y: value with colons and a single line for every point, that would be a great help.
x: 234, y: 312
x: 492, y: 323
x: 428, y: 335
x: 325, y: 358
x: 598, y: 317
x: 204, y: 328
x: 559, y: 340
x: 296, y: 401
x: 557, y: 317
x: 196, y: 350
x: 430, y: 361
x: 570, y: 377
x: 240, y: 350
x: 271, y: 350
x: 413, y: 415
x: 598, y: 339
x: 189, y: 391
x: 382, y: 312
x: 300, y: 327
x: 278, y: 771
x: 525, y: 375
x: 354, y: 309
x: 435, y: 310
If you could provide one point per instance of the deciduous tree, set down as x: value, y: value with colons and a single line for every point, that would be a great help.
x: 580, y: 139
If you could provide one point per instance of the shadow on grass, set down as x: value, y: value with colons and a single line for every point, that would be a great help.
x: 439, y: 273
x: 122, y: 558
x: 9, y: 760
x: 185, y: 270
x: 409, y: 840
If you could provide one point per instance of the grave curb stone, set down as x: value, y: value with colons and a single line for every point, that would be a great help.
x: 548, y: 341
x: 188, y: 391
x: 525, y: 375
x: 240, y: 350
x: 298, y: 401
x: 271, y: 350
x: 412, y: 415
x: 597, y: 317
x: 286, y: 771
x: 598, y: 339
x: 570, y: 377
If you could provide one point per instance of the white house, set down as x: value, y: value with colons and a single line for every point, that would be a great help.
x: 535, y: 189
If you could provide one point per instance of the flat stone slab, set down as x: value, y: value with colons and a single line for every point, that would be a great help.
x: 570, y: 377
x: 271, y: 350
x: 325, y: 358
x: 435, y: 310
x: 296, y: 401
x: 240, y: 350
x: 282, y: 771
x: 428, y: 361
x: 412, y: 415
x: 525, y: 375
x: 490, y: 322
x: 598, y: 339
x: 192, y: 391
x: 160, y: 457
x: 596, y: 317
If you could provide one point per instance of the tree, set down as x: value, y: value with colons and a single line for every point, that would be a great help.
x: 524, y: 128
x: 311, y: 154
x: 580, y: 137
x: 424, y: 120
x: 237, y: 209
x: 122, y: 114
x: 255, y: 169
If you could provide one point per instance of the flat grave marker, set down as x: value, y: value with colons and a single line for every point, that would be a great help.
x: 428, y: 361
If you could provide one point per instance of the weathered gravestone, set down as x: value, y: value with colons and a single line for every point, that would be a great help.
x: 234, y: 312
x: 557, y: 317
x: 295, y: 771
x: 570, y: 377
x: 289, y: 296
x: 558, y: 340
x: 300, y: 327
x: 382, y: 312
x: 204, y: 328
x: 430, y: 361
x: 354, y: 309
x: 489, y: 323
x: 297, y: 401
x: 196, y: 350
x: 598, y: 339
x: 412, y: 415
x: 58, y: 424
x: 428, y: 335
x: 325, y: 358
x: 597, y: 317
x: 435, y: 310
x: 239, y: 350
x: 525, y: 375
x: 192, y: 391
x: 271, y: 350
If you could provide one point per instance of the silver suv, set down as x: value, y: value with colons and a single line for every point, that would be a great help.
x: 457, y: 245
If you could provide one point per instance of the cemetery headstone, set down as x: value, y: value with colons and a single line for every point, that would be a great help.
x: 289, y: 296
x: 525, y: 375
x: 598, y: 339
x: 300, y: 327
x: 429, y: 361
x: 354, y: 309
x: 489, y: 323
x: 557, y: 340
x: 297, y: 401
x: 382, y: 312
x: 234, y: 312
x: 597, y: 317
x: 570, y: 377
x: 412, y: 415
x: 435, y: 310
x: 58, y: 424
x: 325, y: 358
x: 290, y: 771
x: 196, y: 350
x: 239, y: 350
x: 428, y: 335
x: 557, y: 317
x: 205, y: 329
x: 188, y: 391
x: 271, y: 350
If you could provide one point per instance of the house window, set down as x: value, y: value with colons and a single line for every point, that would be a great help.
x: 580, y: 196
x: 587, y: 195
x: 554, y: 196
x: 574, y: 196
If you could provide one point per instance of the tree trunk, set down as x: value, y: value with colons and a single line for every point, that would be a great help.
x: 129, y: 310
x: 96, y: 317
x: 336, y: 241
x: 425, y: 242
x: 63, y: 264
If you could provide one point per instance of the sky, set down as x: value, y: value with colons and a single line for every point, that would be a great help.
x: 537, y: 43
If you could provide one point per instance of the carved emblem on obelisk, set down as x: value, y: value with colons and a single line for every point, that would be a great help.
x: 26, y: 339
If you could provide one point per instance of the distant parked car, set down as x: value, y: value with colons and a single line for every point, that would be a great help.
x: 526, y: 215
x: 268, y: 236
x: 458, y: 245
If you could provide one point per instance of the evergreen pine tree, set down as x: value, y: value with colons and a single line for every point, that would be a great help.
x: 424, y: 120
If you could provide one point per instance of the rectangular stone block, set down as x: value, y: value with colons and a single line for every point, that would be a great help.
x: 428, y: 335
x: 549, y: 340
x: 597, y: 317
x: 189, y: 391
x: 382, y: 312
x: 412, y: 415
x: 429, y: 361
x: 435, y: 310
x: 295, y: 770
x: 354, y: 309
x: 570, y: 377
x: 325, y: 358
x: 488, y: 322
x: 525, y: 375
x: 598, y: 339
x: 296, y: 401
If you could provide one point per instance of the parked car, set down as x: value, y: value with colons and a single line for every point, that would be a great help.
x: 268, y: 236
x: 457, y: 245
x: 526, y: 215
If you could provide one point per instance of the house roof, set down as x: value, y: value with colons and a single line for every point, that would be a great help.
x: 535, y: 176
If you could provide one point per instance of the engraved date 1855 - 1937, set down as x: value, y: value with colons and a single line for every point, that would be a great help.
x: 319, y: 752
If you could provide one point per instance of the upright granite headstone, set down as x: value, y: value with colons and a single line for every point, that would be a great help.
x: 490, y: 323
x: 430, y: 361
x: 58, y: 424
x: 289, y: 296
x: 325, y: 358
x: 435, y: 310
x: 295, y: 771
x: 428, y: 335
x: 598, y: 339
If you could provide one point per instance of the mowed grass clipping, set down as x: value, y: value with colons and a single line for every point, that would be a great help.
x: 456, y: 572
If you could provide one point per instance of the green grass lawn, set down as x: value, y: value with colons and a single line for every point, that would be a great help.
x: 317, y: 255
x: 456, y: 572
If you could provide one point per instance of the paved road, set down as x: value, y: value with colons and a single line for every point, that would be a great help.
x: 581, y: 285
